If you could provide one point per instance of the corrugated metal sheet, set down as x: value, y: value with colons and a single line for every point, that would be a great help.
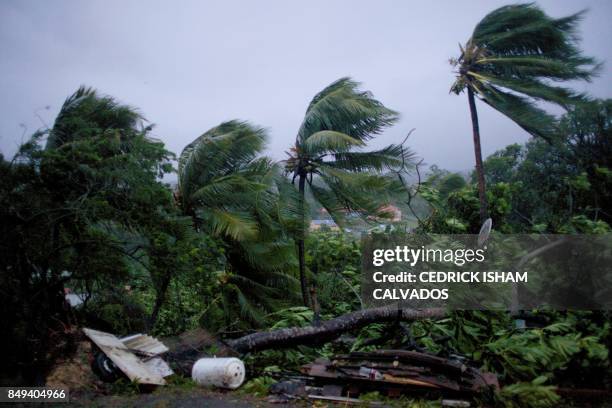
x: 134, y: 355
x: 144, y: 344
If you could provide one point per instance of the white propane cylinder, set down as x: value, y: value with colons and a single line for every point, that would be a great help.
x: 219, y: 372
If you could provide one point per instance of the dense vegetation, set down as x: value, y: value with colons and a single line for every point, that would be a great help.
x: 85, y: 207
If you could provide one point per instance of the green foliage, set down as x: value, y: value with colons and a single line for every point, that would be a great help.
x: 459, y: 212
x: 191, y: 293
x: 444, y: 182
x: 560, y: 187
x: 298, y: 316
x: 450, y: 183
x: 117, y: 311
x: 369, y: 334
x: 525, y: 355
x: 532, y: 394
x: 125, y: 387
x: 258, y: 386
x: 181, y: 382
x: 501, y: 165
x: 344, y: 109
x: 334, y: 259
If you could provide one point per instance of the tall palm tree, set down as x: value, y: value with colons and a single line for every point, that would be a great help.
x: 243, y: 199
x: 328, y: 160
x: 512, y: 60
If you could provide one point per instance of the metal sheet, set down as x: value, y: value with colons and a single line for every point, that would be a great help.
x: 145, y: 344
x: 159, y: 366
x: 124, y: 359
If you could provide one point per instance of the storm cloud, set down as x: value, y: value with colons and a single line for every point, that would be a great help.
x: 190, y: 65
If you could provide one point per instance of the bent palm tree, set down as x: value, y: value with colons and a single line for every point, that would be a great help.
x: 510, y: 62
x: 328, y: 161
x: 235, y: 195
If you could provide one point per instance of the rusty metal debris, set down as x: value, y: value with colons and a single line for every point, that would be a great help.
x: 398, y: 372
x: 136, y: 356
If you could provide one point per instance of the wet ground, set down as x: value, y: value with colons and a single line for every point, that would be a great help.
x: 177, y: 399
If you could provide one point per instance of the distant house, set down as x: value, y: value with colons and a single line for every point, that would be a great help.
x: 316, y: 225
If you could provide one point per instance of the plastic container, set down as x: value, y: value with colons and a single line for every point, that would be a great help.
x: 218, y: 372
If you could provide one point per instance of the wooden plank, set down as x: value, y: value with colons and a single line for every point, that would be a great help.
x: 407, y: 381
x: 124, y: 359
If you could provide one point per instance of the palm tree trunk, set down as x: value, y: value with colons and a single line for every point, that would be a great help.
x: 330, y: 329
x: 478, y: 153
x: 159, y: 302
x: 300, y: 243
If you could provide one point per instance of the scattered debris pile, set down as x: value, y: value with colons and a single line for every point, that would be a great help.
x: 136, y: 356
x: 397, y: 372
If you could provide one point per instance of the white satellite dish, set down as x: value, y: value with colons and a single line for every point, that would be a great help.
x: 485, y: 230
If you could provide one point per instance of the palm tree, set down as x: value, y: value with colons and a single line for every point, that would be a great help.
x: 329, y: 164
x: 232, y: 193
x: 511, y: 62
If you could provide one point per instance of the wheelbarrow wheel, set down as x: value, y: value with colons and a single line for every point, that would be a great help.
x: 105, y: 368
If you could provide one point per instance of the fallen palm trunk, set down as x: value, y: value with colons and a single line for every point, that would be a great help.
x: 328, y: 330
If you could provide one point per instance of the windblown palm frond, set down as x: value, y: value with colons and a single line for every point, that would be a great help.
x: 516, y: 56
x: 342, y: 107
x: 249, y: 299
x: 86, y: 113
x: 390, y: 157
x: 218, y: 178
x: 222, y: 151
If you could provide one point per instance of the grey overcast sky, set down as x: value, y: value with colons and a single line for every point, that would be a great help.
x: 190, y: 65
